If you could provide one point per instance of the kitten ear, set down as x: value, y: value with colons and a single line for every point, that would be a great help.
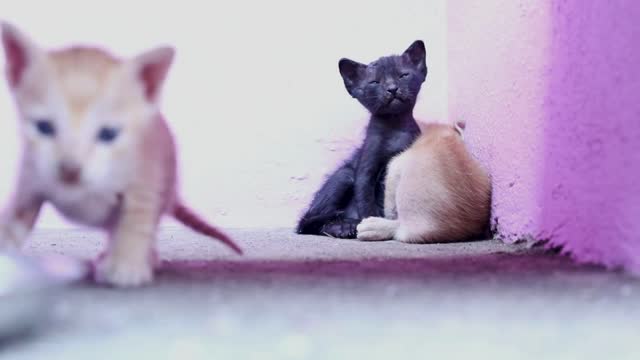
x: 351, y: 72
x: 151, y: 68
x: 416, y: 54
x: 19, y: 51
x: 460, y: 126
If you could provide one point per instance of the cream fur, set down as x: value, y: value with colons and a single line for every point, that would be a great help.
x: 435, y: 192
x: 125, y: 186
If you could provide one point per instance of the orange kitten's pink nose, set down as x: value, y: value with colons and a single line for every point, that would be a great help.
x: 69, y: 173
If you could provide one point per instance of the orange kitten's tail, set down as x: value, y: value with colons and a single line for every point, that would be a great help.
x: 190, y: 219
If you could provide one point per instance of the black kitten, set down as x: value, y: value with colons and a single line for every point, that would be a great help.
x: 388, y: 88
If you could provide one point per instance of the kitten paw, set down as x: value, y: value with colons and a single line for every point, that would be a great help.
x: 123, y: 272
x: 341, y: 229
x: 376, y: 229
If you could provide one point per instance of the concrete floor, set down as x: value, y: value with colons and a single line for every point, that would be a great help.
x: 295, y: 297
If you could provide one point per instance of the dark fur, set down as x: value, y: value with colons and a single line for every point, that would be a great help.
x: 388, y: 88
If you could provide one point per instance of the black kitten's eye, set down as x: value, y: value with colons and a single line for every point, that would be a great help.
x: 46, y: 128
x: 374, y: 82
x: 404, y: 75
x: 107, y: 134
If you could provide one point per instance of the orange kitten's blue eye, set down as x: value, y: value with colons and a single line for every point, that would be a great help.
x: 46, y: 128
x: 107, y: 134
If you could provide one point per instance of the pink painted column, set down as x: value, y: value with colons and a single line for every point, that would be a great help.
x: 551, y: 94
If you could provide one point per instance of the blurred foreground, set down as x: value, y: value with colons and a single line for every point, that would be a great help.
x: 293, y: 297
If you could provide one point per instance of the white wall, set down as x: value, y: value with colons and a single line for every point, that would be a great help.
x: 255, y: 98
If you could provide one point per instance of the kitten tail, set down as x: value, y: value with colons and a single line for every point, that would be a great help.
x: 193, y: 221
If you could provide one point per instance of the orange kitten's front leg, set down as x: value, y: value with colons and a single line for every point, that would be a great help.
x: 377, y: 229
x: 128, y: 260
x: 18, y: 219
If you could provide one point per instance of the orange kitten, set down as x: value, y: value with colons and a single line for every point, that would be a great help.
x: 96, y: 147
x: 435, y: 191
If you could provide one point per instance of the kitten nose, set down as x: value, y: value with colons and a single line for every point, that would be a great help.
x: 392, y: 89
x: 69, y: 172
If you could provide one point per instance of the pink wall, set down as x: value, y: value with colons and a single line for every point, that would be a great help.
x: 552, y: 98
x: 496, y: 84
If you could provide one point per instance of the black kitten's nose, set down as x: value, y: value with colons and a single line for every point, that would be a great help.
x: 392, y: 89
x: 69, y: 173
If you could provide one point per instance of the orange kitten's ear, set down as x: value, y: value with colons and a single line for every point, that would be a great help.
x: 151, y: 69
x: 19, y: 52
x: 460, y: 126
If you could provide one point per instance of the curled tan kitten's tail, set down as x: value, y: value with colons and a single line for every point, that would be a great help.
x: 193, y: 221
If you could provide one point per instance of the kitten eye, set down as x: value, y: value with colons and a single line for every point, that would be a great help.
x: 374, y: 82
x: 107, y: 134
x: 404, y: 75
x: 46, y: 128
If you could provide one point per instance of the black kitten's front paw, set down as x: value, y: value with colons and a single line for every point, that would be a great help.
x: 341, y: 228
x: 312, y: 224
x: 303, y: 227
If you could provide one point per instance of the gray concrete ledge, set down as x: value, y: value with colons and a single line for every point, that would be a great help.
x: 307, y: 297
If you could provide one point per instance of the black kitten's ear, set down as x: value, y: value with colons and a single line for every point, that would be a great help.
x: 416, y: 55
x: 351, y: 72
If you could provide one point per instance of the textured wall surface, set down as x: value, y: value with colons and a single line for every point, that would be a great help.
x: 497, y: 60
x: 255, y: 98
x: 591, y: 189
x: 552, y: 99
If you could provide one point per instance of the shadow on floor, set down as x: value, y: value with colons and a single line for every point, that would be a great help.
x: 496, y: 265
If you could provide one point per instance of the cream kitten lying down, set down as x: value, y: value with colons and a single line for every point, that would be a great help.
x: 97, y: 148
x: 435, y: 191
